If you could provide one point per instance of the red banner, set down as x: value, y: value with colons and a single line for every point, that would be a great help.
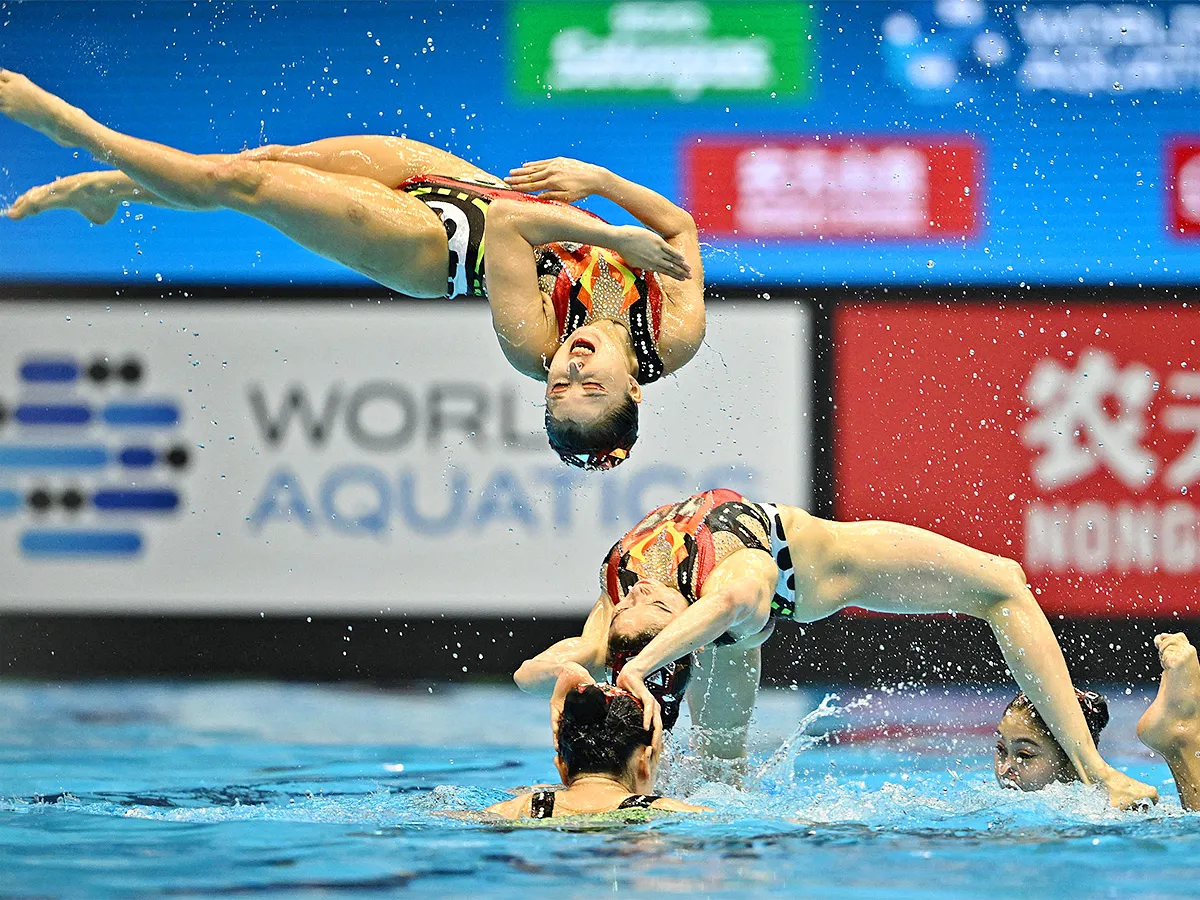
x: 1067, y: 438
x: 808, y: 188
x: 1183, y: 188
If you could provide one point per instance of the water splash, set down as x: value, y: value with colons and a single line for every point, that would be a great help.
x: 780, y: 767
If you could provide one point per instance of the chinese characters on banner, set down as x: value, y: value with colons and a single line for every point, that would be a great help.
x: 1067, y: 438
x: 808, y: 188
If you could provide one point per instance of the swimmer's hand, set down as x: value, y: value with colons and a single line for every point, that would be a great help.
x: 1128, y: 793
x: 644, y: 249
x: 632, y: 679
x: 560, y: 178
x: 571, y: 675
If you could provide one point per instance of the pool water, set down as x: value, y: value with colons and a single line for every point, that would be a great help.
x: 210, y: 789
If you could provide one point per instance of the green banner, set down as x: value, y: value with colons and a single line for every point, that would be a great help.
x: 685, y: 50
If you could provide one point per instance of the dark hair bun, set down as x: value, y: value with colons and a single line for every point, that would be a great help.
x: 1095, y: 711
x: 586, y: 705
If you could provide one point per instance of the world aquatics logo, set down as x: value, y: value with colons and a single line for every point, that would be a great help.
x: 87, y: 457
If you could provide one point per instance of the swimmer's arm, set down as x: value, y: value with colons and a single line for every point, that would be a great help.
x: 649, y: 207
x: 678, y: 806
x: 511, y: 809
x: 539, y: 674
x: 741, y: 604
x: 569, y: 180
x: 523, y: 323
x: 683, y: 324
x: 547, y: 223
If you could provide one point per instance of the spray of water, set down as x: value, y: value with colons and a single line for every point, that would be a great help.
x: 780, y: 767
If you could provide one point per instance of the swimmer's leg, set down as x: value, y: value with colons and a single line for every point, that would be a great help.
x: 721, y: 695
x: 94, y: 195
x: 1171, y: 726
x: 389, y: 160
x: 889, y: 567
x: 359, y: 222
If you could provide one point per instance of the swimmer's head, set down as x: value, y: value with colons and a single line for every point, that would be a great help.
x: 1027, y: 756
x: 592, y: 397
x: 601, y: 733
x: 645, y: 608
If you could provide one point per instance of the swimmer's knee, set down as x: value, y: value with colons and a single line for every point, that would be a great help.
x: 505, y: 214
x: 237, y: 179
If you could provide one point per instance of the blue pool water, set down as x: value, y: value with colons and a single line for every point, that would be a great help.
x: 166, y: 789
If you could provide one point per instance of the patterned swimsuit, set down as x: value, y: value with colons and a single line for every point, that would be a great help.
x: 585, y: 283
x: 541, y: 804
x: 462, y: 206
x: 680, y: 545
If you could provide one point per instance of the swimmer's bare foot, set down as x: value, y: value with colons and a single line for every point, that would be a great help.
x: 86, y: 193
x: 1171, y: 726
x: 23, y: 101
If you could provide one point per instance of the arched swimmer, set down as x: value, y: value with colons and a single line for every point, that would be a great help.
x: 606, y: 758
x: 715, y: 571
x: 576, y: 302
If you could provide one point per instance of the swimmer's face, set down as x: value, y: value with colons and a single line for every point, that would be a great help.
x: 1027, y: 758
x: 646, y: 607
x: 589, y: 376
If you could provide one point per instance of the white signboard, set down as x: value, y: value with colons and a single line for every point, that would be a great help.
x: 317, y: 457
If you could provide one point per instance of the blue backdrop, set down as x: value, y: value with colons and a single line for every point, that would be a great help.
x: 1072, y: 116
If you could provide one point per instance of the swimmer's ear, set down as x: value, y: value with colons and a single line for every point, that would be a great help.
x: 644, y: 759
x: 635, y: 390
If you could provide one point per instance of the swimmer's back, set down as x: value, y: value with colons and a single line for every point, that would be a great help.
x: 533, y: 806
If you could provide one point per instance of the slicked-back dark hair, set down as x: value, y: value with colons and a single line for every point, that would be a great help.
x: 599, y: 731
x: 591, y: 446
x: 1093, y: 704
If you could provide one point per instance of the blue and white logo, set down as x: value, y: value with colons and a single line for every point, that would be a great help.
x: 942, y: 53
x: 86, y: 457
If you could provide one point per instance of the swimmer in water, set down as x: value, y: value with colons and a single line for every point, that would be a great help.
x: 1027, y: 756
x: 1171, y: 726
x: 705, y: 580
x: 606, y: 758
x: 592, y: 309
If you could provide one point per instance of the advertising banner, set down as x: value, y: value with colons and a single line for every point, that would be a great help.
x: 348, y: 457
x: 1066, y: 437
x: 1183, y: 188
x: 806, y: 188
x: 677, y: 50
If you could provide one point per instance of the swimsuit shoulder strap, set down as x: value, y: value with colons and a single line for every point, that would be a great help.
x: 541, y: 805
x: 639, y: 801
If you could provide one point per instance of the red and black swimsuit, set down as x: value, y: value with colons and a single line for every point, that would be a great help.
x: 541, y: 804
x: 585, y: 283
x: 462, y: 206
x: 679, y: 545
